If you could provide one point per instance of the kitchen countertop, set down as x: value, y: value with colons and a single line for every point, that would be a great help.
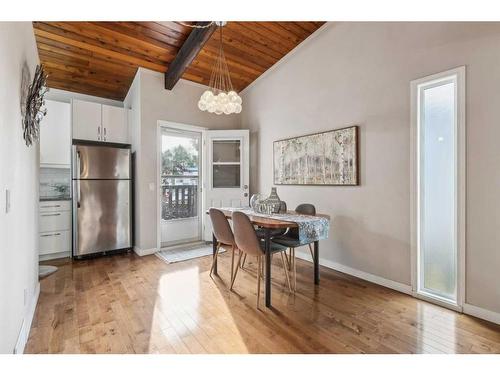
x: 55, y: 199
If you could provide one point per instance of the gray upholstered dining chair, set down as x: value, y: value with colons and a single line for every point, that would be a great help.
x: 248, y: 243
x: 224, y: 236
x: 291, y: 240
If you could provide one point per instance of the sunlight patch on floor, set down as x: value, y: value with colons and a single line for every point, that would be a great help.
x: 190, y: 312
x: 436, y: 330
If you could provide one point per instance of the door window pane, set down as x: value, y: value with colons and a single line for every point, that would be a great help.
x: 226, y: 151
x: 179, y: 176
x: 226, y: 176
x: 438, y: 251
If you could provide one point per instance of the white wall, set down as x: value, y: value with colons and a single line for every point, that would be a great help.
x: 133, y: 102
x: 360, y: 73
x: 178, y: 105
x: 19, y: 172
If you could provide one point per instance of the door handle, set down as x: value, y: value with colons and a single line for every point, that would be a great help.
x: 50, y: 235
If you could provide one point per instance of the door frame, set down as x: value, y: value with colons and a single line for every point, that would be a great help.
x: 162, y: 124
x: 460, y: 181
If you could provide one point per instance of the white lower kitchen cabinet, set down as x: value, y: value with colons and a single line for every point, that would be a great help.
x: 55, y: 229
x: 54, y: 221
x: 55, y: 244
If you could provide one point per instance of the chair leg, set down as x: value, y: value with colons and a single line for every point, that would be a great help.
x: 259, y: 262
x: 244, y: 259
x: 285, y: 268
x: 311, y: 251
x: 287, y: 259
x: 236, y: 271
x: 294, y: 270
x: 214, y: 259
x: 290, y: 259
x: 232, y: 261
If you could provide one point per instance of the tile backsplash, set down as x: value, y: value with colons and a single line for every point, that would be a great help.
x: 55, y: 183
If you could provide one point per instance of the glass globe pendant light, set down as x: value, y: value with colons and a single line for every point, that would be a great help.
x: 220, y: 98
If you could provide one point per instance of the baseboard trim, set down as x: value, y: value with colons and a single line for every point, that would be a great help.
x: 481, y: 313
x: 24, y: 334
x: 143, y: 252
x: 400, y: 287
x: 62, y: 254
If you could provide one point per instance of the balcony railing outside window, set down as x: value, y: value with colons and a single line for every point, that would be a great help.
x: 179, y: 198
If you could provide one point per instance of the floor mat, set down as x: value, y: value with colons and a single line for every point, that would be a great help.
x: 181, y: 254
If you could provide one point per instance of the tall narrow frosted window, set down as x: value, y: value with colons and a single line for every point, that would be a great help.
x: 437, y: 189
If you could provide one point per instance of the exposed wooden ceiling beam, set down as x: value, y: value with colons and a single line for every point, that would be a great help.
x: 188, y: 52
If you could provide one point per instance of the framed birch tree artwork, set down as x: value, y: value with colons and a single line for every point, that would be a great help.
x: 328, y: 158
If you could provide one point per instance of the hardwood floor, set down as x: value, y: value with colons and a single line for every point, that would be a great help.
x: 131, y: 304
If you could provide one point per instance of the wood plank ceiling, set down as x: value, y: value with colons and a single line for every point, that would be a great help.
x: 101, y: 58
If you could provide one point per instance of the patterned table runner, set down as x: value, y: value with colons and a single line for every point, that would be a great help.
x: 311, y: 228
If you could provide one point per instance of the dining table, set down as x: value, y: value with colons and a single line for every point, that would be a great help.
x: 311, y: 229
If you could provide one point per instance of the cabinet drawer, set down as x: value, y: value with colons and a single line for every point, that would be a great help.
x: 55, y: 242
x: 51, y: 206
x: 55, y: 221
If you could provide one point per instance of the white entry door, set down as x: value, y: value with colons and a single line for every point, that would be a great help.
x: 227, y: 165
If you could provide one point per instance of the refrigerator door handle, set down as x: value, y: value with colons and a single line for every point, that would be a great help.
x: 76, y: 164
x: 76, y: 195
x: 78, y: 168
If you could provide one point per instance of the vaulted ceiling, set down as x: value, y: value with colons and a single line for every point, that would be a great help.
x: 101, y: 58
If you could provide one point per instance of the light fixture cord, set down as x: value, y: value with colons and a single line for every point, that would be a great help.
x: 220, y: 79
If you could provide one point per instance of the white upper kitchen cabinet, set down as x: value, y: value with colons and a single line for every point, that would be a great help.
x: 114, y: 124
x: 99, y: 122
x: 55, y: 135
x: 87, y: 120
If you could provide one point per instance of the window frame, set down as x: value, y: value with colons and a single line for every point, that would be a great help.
x: 417, y: 88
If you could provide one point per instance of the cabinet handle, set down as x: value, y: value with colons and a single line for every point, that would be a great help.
x: 50, y: 235
x: 54, y: 206
x: 104, y: 132
x: 98, y: 133
x: 58, y: 214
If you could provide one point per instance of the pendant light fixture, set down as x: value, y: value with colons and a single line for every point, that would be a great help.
x: 220, y: 97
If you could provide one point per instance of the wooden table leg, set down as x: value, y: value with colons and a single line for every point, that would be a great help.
x: 267, y: 248
x: 214, y: 250
x: 316, y: 262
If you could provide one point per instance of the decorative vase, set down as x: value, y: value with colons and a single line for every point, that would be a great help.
x: 273, y: 202
x: 273, y: 197
x: 283, y: 207
x: 255, y: 201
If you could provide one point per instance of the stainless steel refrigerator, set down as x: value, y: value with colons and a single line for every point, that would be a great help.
x: 101, y: 198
